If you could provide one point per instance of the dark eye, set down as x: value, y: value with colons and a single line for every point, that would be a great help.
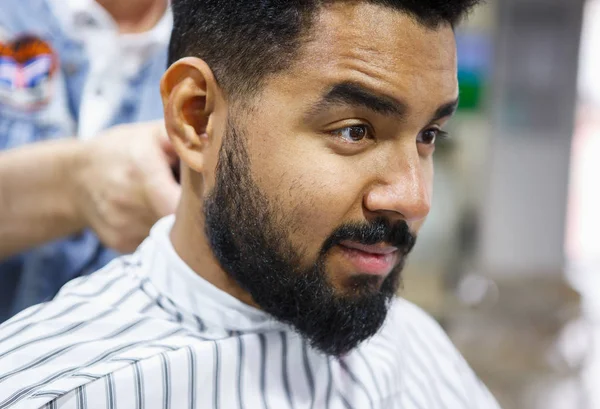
x: 354, y: 133
x: 429, y: 136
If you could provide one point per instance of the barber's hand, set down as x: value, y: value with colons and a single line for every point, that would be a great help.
x: 124, y: 183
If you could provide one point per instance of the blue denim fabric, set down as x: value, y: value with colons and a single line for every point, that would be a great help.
x: 38, y: 274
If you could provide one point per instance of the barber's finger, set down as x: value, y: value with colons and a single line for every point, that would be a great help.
x: 163, y: 191
x: 165, y: 143
x: 169, y: 151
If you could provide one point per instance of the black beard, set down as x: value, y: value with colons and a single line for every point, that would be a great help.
x: 249, y: 237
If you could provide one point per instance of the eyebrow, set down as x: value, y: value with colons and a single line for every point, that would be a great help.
x: 349, y: 93
x: 448, y: 109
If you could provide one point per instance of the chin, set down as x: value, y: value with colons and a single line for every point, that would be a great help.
x: 359, y: 285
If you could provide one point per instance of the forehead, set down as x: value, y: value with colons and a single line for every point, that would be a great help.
x: 381, y: 48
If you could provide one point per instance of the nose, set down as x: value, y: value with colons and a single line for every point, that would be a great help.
x: 404, y: 190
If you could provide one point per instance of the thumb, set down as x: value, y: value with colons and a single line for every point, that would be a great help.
x: 164, y: 143
x: 168, y: 150
x: 162, y: 190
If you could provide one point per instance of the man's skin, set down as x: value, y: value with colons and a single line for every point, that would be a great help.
x: 301, y: 153
x: 119, y: 184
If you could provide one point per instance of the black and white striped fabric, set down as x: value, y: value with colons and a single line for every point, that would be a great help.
x: 147, y: 332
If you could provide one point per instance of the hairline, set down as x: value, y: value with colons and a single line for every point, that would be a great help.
x: 304, y: 38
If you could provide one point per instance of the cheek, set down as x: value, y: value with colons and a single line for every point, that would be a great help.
x: 312, y: 212
x: 311, y: 189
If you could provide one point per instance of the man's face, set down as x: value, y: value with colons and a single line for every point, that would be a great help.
x: 325, y: 179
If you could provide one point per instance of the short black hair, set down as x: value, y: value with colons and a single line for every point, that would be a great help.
x: 243, y: 41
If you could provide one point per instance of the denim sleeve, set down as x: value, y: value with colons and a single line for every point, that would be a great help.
x: 33, y: 107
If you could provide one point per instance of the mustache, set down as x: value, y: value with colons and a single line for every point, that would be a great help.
x: 380, y: 230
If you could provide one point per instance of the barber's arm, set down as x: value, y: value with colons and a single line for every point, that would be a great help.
x: 35, y: 198
x: 119, y: 184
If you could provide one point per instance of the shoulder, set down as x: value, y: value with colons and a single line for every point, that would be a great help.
x: 85, y: 337
x: 412, y: 323
x: 432, y: 368
x: 417, y: 336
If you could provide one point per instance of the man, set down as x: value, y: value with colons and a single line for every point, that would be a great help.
x: 306, y: 131
x: 74, y: 68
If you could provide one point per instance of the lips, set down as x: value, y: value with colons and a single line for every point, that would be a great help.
x: 376, y: 260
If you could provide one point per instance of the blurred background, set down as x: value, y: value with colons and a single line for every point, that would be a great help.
x: 509, y: 261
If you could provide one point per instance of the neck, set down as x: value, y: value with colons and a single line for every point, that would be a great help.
x: 191, y: 244
x: 135, y: 16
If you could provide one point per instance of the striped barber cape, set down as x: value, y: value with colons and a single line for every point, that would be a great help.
x: 147, y: 332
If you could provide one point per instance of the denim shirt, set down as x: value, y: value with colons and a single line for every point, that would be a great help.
x: 37, y: 275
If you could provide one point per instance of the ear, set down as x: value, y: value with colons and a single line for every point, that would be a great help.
x: 189, y: 93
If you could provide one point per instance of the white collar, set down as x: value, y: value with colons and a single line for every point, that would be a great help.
x: 193, y: 294
x: 78, y: 15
